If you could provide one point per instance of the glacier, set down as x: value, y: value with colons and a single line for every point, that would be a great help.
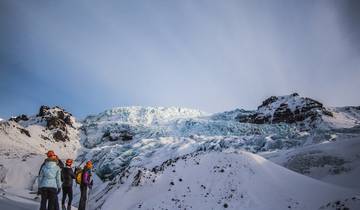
x: 161, y: 133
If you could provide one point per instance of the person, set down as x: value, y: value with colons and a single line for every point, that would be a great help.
x: 86, y: 182
x: 67, y: 176
x: 61, y: 166
x: 49, y: 182
x: 60, y: 163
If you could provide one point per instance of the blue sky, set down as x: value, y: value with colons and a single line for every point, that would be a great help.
x: 88, y: 56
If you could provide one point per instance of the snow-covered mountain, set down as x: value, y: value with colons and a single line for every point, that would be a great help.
x: 23, y: 143
x: 123, y: 143
x: 196, y: 160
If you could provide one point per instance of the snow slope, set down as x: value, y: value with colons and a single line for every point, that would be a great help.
x: 23, y: 144
x: 336, y: 161
x: 220, y: 180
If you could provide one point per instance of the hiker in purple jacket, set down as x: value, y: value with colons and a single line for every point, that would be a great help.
x: 86, y: 182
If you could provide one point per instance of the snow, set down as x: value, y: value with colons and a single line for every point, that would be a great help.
x: 293, y: 101
x: 21, y: 157
x: 197, y: 146
x: 215, y: 180
x: 8, y: 204
x: 344, y: 117
x: 166, y: 137
x: 157, y: 141
x: 144, y: 115
x: 336, y: 161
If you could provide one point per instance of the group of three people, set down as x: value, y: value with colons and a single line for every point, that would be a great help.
x: 54, y: 176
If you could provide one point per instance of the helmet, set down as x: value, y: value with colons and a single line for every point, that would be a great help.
x: 50, y: 153
x: 89, y: 164
x: 69, y: 162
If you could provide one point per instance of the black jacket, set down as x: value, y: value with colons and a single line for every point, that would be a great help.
x: 67, y: 176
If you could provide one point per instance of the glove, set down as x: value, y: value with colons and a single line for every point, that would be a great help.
x: 59, y: 190
x: 39, y: 191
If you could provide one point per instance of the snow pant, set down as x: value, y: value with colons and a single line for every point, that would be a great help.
x: 83, y: 197
x: 56, y: 202
x: 67, y: 191
x: 48, y: 196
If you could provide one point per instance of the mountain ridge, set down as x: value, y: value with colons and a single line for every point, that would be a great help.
x: 123, y: 140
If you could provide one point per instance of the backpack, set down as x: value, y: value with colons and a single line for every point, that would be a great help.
x: 78, y: 175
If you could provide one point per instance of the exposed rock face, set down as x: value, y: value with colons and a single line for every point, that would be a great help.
x: 61, y: 136
x: 19, y: 118
x: 24, y: 131
x: 123, y: 135
x: 287, y: 109
x: 57, y: 119
x: 54, y: 122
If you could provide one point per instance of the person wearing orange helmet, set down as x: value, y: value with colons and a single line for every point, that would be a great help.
x: 67, y: 176
x: 86, y: 182
x: 49, y: 182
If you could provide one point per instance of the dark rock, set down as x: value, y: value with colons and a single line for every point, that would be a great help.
x: 60, y: 135
x: 268, y: 101
x: 123, y: 135
x: 307, y: 109
x: 68, y: 120
x: 328, y: 113
x: 137, y: 178
x: 55, y: 114
x: 43, y: 111
x: 61, y: 115
x: 24, y: 131
x: 19, y: 118
x: 54, y: 122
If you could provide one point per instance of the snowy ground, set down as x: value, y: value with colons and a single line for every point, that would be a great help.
x: 225, y: 180
x: 336, y: 161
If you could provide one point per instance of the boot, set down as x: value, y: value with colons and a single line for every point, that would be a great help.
x: 69, y: 207
x: 63, y: 207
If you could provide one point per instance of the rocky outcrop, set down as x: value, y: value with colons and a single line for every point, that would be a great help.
x: 60, y: 135
x: 24, y: 131
x: 57, y: 120
x: 56, y: 117
x: 286, y: 109
x: 123, y: 135
x: 19, y: 118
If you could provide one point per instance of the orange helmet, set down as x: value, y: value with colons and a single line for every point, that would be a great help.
x: 50, y: 153
x: 89, y: 164
x: 69, y: 162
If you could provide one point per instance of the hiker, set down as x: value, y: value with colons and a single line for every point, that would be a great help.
x: 49, y: 182
x: 86, y: 182
x: 61, y: 166
x: 60, y: 163
x: 67, y: 176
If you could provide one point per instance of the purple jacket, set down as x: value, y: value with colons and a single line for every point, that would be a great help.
x: 86, y: 179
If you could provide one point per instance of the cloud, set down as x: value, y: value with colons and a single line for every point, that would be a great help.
x: 209, y: 55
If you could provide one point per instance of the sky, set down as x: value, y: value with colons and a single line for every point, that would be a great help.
x: 88, y: 56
